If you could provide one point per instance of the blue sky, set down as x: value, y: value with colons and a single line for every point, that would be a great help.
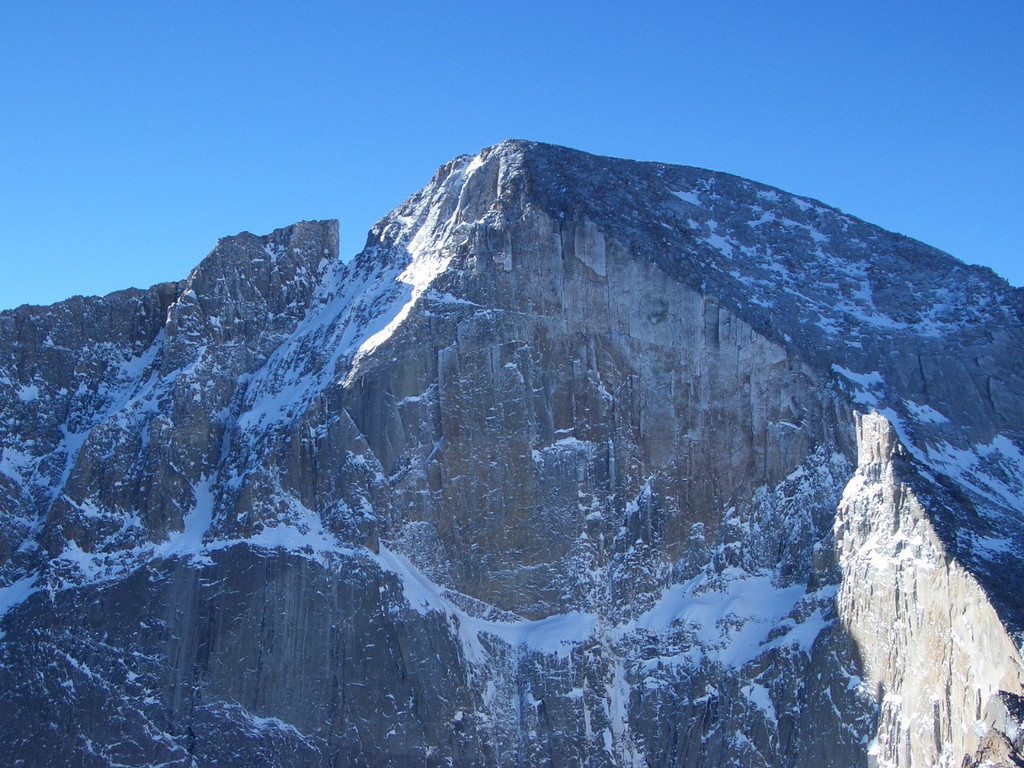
x: 133, y: 135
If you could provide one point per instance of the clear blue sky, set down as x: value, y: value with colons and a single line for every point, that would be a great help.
x: 134, y: 134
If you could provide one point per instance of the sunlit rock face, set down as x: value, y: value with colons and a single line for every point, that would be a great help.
x: 582, y: 461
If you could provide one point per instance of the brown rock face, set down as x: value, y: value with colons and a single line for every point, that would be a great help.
x: 581, y: 461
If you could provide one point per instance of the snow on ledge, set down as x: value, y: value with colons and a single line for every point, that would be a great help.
x: 738, y: 619
x: 15, y: 594
x: 555, y: 635
x: 735, y: 620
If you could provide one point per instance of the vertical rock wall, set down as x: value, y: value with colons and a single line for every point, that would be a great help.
x: 934, y: 649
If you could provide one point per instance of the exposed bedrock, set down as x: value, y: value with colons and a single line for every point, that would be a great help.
x: 580, y: 462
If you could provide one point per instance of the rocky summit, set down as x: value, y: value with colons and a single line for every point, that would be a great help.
x: 581, y: 462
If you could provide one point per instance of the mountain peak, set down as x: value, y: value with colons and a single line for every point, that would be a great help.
x: 301, y: 245
x: 581, y: 461
x: 791, y: 266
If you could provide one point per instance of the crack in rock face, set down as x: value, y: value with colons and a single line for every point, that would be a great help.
x: 581, y: 461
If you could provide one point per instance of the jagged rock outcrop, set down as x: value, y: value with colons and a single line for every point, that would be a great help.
x: 580, y: 461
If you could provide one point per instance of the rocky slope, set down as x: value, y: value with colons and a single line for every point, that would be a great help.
x: 581, y: 461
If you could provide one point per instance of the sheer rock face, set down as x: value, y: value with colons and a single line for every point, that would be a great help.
x: 929, y: 637
x: 568, y: 466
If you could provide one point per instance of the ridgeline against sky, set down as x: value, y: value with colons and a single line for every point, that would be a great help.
x: 134, y: 136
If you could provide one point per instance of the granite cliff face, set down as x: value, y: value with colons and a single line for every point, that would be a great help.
x: 581, y: 461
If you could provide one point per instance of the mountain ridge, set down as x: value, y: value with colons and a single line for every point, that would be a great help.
x: 581, y: 437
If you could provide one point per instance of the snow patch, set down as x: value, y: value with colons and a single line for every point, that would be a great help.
x: 189, y: 541
x: 299, y: 531
x: 924, y: 413
x: 736, y: 617
x: 14, y: 594
x: 865, y: 380
x: 759, y: 696
x: 719, y: 243
x: 420, y: 273
x: 555, y: 635
x: 994, y: 471
x: 29, y: 393
x: 688, y: 197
